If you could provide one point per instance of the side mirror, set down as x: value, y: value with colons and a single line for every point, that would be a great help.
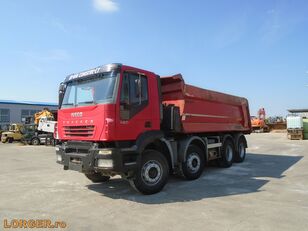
x: 62, y: 88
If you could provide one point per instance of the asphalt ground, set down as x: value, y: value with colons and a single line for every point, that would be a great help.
x: 269, y: 191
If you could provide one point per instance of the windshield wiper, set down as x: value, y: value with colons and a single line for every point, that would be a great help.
x: 87, y: 102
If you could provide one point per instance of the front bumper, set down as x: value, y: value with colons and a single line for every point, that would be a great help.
x: 87, y: 157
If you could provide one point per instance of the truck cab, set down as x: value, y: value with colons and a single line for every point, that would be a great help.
x: 111, y: 103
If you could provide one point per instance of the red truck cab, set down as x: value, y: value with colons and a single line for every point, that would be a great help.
x: 117, y: 119
x: 117, y: 103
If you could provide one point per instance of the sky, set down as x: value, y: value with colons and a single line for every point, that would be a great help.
x: 255, y: 49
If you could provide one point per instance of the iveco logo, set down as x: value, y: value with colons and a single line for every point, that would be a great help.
x: 76, y: 114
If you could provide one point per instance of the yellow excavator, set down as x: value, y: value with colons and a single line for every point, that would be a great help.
x: 45, y: 113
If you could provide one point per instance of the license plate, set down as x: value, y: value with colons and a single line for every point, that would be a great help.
x: 75, y: 166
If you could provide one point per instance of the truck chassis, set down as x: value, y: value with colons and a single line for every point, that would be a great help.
x: 148, y: 163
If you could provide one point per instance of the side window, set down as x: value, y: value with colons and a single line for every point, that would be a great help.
x: 125, y: 90
x: 4, y: 115
x: 134, y: 83
x: 138, y: 88
x: 144, y: 89
x: 26, y: 113
x: 134, y: 94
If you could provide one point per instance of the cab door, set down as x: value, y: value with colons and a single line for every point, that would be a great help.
x: 134, y: 112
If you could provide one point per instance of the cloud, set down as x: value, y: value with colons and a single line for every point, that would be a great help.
x: 105, y: 5
x: 56, y: 23
x: 39, y: 61
x: 51, y: 55
x: 282, y: 20
x: 273, y: 26
x: 57, y: 55
x: 230, y: 32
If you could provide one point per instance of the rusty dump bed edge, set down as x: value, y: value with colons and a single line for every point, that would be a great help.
x: 204, y: 110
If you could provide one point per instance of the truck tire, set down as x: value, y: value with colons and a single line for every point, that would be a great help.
x: 241, y: 150
x: 97, y: 177
x: 227, y: 153
x: 152, y: 173
x: 10, y: 140
x: 194, y: 163
x: 35, y: 141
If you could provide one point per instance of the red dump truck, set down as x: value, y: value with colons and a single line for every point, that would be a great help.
x: 121, y: 120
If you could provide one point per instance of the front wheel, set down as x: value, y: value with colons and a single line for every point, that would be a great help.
x: 152, y: 174
x: 35, y: 141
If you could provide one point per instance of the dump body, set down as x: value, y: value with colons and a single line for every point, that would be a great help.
x: 205, y: 111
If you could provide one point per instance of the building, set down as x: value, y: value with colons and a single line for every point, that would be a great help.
x: 17, y: 111
x: 301, y: 112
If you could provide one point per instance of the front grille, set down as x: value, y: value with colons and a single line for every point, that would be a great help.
x: 82, y: 131
x: 76, y: 150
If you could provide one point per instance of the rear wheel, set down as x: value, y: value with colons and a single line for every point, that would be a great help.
x: 35, y: 141
x: 193, y: 166
x: 152, y: 174
x: 241, y: 151
x: 227, y: 153
x: 97, y: 177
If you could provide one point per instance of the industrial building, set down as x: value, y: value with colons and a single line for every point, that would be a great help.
x: 12, y: 111
x: 302, y: 112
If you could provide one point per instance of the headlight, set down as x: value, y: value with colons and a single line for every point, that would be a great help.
x: 105, y: 152
x: 59, y: 158
x: 104, y: 163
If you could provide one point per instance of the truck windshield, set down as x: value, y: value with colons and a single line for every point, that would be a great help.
x: 97, y: 89
x: 30, y: 128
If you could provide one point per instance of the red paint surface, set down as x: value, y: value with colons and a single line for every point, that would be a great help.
x: 204, y: 110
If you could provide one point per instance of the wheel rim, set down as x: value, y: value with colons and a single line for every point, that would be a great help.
x: 242, y: 150
x: 229, y: 153
x: 193, y: 162
x: 151, y: 172
x: 35, y: 142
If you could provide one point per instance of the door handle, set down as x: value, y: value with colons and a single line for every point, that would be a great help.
x: 148, y: 124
